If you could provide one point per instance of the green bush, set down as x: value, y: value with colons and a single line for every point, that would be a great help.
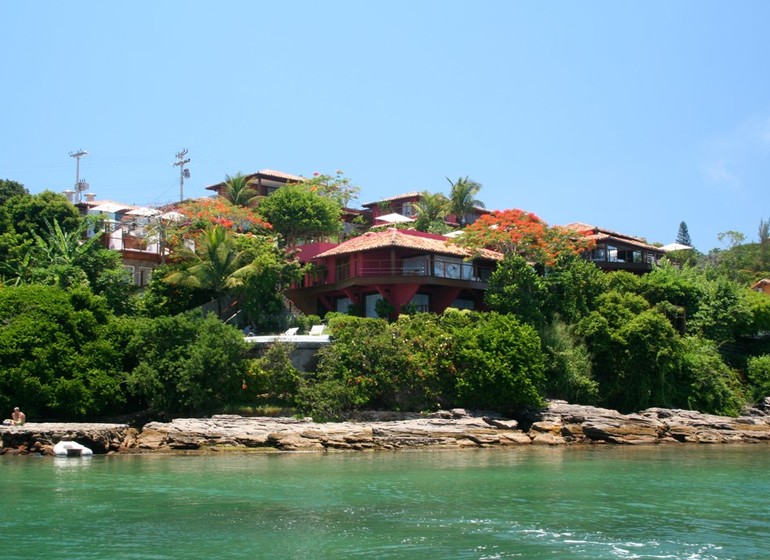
x: 188, y: 363
x: 636, y: 353
x: 758, y: 373
x: 568, y: 369
x: 272, y: 377
x: 326, y: 400
x: 367, y: 358
x: 711, y: 385
x: 499, y: 364
x: 58, y: 357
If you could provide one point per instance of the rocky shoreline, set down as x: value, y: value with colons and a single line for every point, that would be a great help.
x: 559, y: 423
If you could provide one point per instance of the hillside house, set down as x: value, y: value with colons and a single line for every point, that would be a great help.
x: 406, y: 205
x: 405, y: 268
x: 264, y: 182
x: 618, y: 251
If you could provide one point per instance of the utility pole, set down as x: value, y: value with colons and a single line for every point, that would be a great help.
x: 183, y: 173
x: 79, y: 187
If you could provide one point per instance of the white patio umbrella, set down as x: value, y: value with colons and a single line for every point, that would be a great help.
x: 110, y: 207
x: 675, y: 247
x: 143, y: 211
x: 394, y: 218
x: 172, y: 216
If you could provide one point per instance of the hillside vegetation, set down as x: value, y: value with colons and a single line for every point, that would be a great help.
x: 79, y: 341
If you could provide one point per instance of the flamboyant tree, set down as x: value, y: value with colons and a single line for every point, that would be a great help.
x: 203, y: 213
x: 516, y: 232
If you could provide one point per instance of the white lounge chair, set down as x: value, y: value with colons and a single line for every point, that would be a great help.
x: 317, y: 330
x: 291, y: 332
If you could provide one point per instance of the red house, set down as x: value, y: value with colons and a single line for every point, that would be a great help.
x: 406, y: 205
x: 406, y: 268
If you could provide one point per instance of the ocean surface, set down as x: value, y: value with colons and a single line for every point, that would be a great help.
x: 684, y: 502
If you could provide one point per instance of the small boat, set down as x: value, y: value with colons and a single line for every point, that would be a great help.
x: 71, y: 449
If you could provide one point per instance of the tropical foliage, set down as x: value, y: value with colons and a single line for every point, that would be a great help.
x: 302, y: 214
x: 239, y: 192
x: 523, y: 233
x: 431, y: 209
x: 462, y: 198
x: 76, y: 341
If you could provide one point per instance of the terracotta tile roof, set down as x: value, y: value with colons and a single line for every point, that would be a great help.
x: 281, y: 175
x: 265, y: 173
x: 400, y: 238
x: 392, y: 198
x: 601, y: 234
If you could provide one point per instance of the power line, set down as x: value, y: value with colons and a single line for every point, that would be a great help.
x: 183, y: 173
x: 79, y: 186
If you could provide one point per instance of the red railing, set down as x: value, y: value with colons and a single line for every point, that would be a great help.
x: 436, y: 268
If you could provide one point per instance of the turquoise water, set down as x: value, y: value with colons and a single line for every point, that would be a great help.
x: 683, y: 502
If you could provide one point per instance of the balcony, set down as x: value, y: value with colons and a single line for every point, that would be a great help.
x: 452, y: 269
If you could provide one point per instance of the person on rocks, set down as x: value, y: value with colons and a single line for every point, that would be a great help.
x: 18, y: 417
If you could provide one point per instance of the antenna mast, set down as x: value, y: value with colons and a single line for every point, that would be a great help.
x: 183, y: 173
x: 79, y: 187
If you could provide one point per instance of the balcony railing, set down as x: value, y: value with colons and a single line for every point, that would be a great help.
x: 436, y: 268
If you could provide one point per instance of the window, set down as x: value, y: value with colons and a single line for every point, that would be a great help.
x: 448, y: 268
x: 421, y: 302
x: 342, y: 267
x: 415, y: 266
x: 408, y: 209
x: 599, y: 253
x: 343, y: 305
x: 461, y: 303
x: 370, y: 305
x: 145, y: 274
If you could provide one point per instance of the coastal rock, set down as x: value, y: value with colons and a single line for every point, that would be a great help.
x: 589, y: 424
x: 558, y: 423
x: 40, y: 437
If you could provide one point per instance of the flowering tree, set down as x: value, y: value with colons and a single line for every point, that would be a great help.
x: 523, y: 233
x: 205, y: 212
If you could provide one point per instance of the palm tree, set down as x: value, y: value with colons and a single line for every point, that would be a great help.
x: 462, y: 199
x: 218, y: 266
x: 431, y: 208
x: 239, y: 191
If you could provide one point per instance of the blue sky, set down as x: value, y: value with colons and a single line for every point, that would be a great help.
x: 633, y: 116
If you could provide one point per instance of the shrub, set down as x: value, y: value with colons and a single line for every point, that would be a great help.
x: 499, y: 363
x: 188, y: 363
x: 568, y: 370
x: 57, y: 354
x: 711, y: 385
x: 273, y: 377
x: 758, y: 373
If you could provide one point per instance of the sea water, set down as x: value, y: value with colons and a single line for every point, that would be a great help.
x: 682, y: 502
